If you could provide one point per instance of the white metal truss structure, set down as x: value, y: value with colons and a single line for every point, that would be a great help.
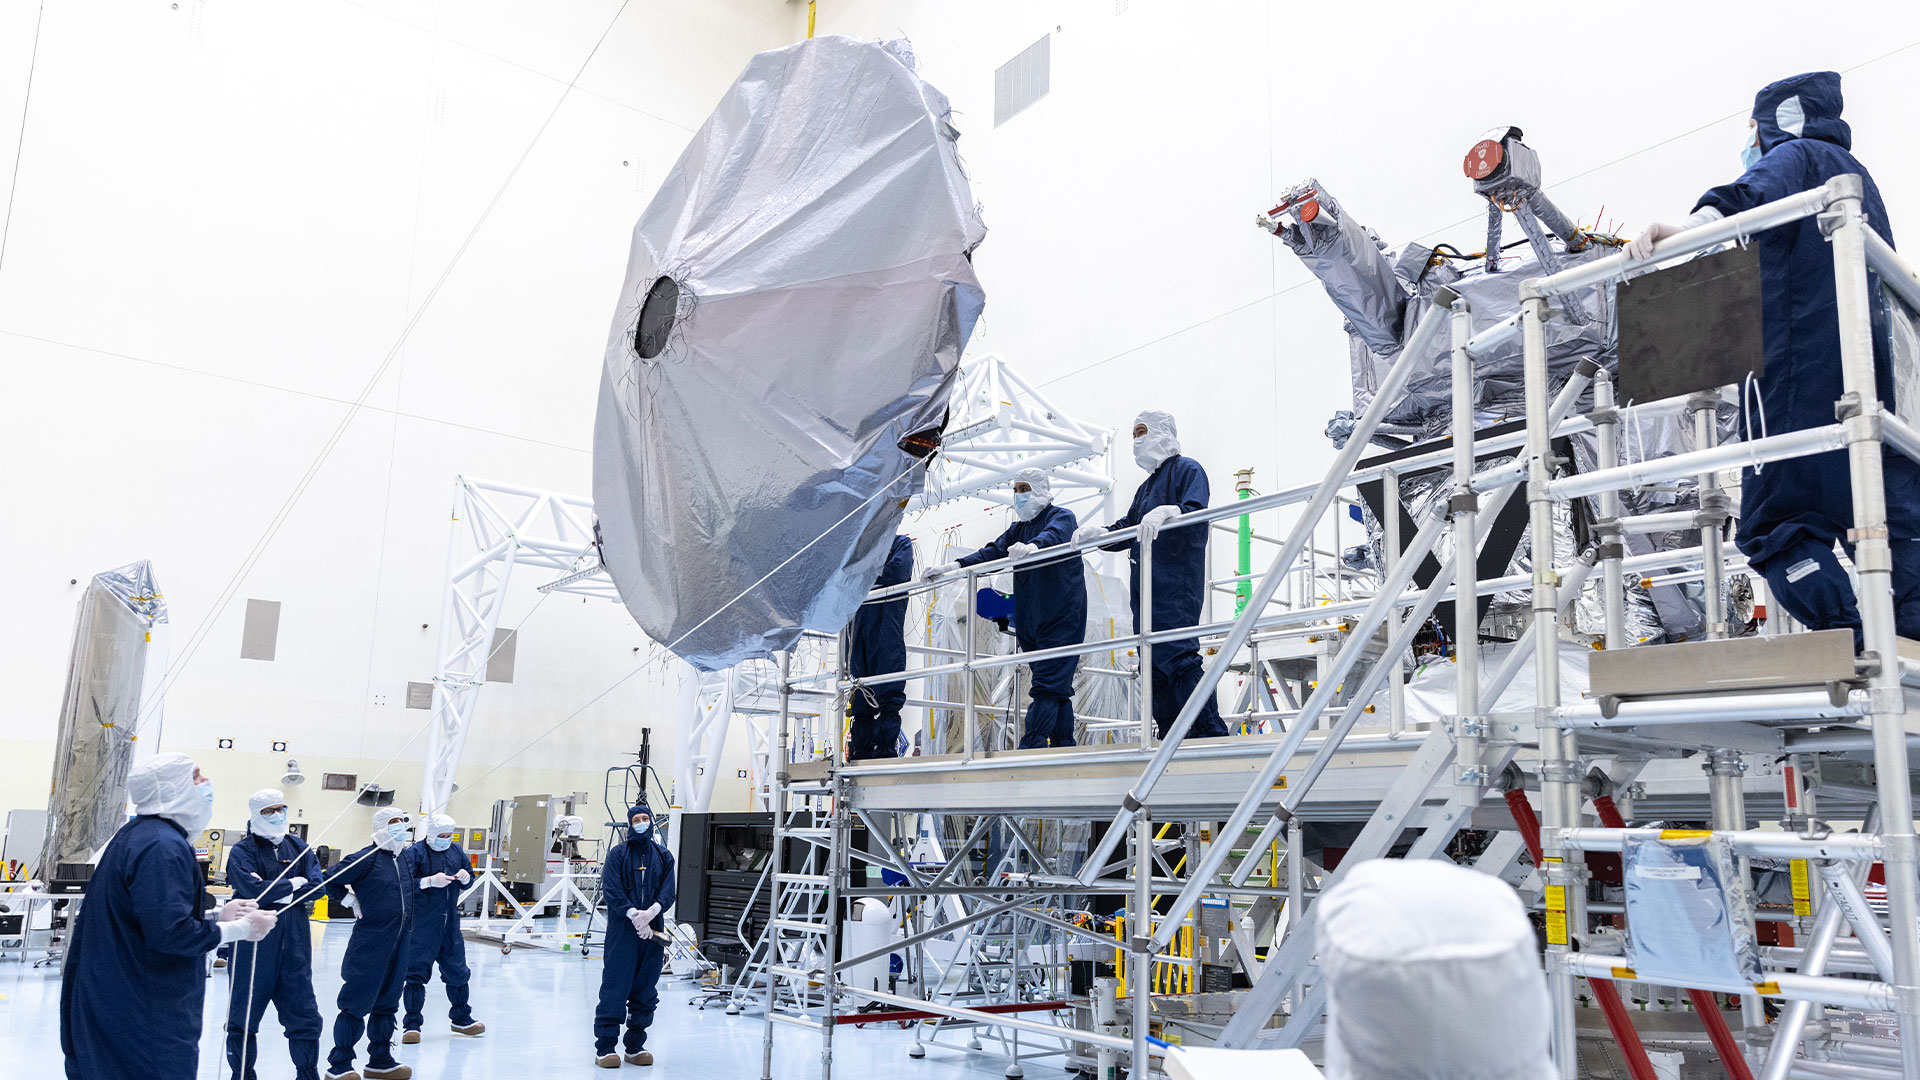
x: 1237, y: 803
x: 496, y: 527
x: 999, y: 424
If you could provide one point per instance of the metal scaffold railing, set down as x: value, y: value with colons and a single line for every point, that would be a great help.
x: 1004, y: 870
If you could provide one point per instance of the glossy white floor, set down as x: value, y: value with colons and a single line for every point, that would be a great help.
x: 538, y: 1008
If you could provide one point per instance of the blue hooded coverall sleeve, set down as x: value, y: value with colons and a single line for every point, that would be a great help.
x: 992, y: 549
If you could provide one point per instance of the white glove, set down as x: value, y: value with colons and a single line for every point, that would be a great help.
x: 1640, y: 247
x: 1088, y: 532
x: 236, y: 908
x: 942, y: 570
x: 258, y: 924
x: 1021, y: 551
x: 1157, y: 518
x: 233, y: 930
x: 296, y: 883
x: 465, y: 878
x: 349, y: 902
x: 436, y: 881
x: 641, y: 921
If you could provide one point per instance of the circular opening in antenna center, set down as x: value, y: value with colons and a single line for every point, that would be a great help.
x: 657, y: 314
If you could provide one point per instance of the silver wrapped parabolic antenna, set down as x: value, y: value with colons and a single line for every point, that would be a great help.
x: 797, y: 299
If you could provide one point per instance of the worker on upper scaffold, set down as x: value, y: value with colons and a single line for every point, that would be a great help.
x: 1175, y: 485
x: 1049, y: 603
x: 1792, y: 512
x: 877, y: 645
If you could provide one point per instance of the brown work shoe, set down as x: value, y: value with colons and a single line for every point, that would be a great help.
x: 608, y: 1061
x: 348, y: 1075
x: 398, y: 1072
x: 641, y: 1058
x: 410, y: 1036
x: 475, y: 1028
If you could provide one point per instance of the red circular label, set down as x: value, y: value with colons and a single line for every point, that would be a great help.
x: 1483, y: 159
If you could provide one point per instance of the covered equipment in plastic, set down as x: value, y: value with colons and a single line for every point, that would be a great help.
x: 118, y: 663
x: 796, y: 302
x: 1409, y: 948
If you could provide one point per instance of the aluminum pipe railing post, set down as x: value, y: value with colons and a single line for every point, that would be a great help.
x: 1860, y: 410
x: 1464, y: 507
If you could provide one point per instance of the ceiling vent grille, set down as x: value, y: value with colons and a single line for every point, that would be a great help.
x: 1021, y: 81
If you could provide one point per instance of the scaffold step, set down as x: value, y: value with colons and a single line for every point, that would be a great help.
x: 797, y: 973
x: 1689, y: 669
x: 801, y: 1020
x: 802, y: 879
x: 807, y: 834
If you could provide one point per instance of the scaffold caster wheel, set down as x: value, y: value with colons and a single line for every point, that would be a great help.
x: 917, y: 1050
x: 732, y: 1009
x: 974, y: 1044
x: 1015, y: 1072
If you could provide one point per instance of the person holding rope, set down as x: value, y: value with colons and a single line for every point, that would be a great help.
x: 442, y: 867
x: 134, y: 983
x: 379, y: 885
x: 271, y: 866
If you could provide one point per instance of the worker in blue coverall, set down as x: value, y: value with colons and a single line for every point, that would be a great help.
x: 134, y: 982
x: 273, y: 868
x: 877, y: 645
x: 1792, y: 512
x: 1175, y: 485
x: 443, y: 867
x: 383, y: 892
x: 1049, y: 603
x: 636, y: 880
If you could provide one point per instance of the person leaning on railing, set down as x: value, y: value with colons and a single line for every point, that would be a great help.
x: 1792, y: 512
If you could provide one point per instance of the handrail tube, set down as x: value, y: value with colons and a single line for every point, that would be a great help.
x: 1369, y: 684
x: 1846, y: 993
x: 1210, y: 677
x: 1756, y: 843
x: 1485, y: 481
x: 1894, y: 270
x: 1795, y: 705
x: 1668, y: 521
x: 1740, y: 226
x: 1900, y: 435
x: 1263, y: 592
x: 1482, y: 344
x: 1791, y: 444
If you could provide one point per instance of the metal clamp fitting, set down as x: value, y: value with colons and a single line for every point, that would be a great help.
x: 1465, y: 502
x: 1130, y: 804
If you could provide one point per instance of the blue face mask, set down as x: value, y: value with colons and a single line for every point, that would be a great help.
x: 206, y: 791
x: 1021, y: 501
x: 640, y: 831
x: 396, y: 832
x: 275, y: 819
x: 1750, y: 153
x: 439, y: 843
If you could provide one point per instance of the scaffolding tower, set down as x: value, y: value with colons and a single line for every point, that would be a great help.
x: 990, y: 925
